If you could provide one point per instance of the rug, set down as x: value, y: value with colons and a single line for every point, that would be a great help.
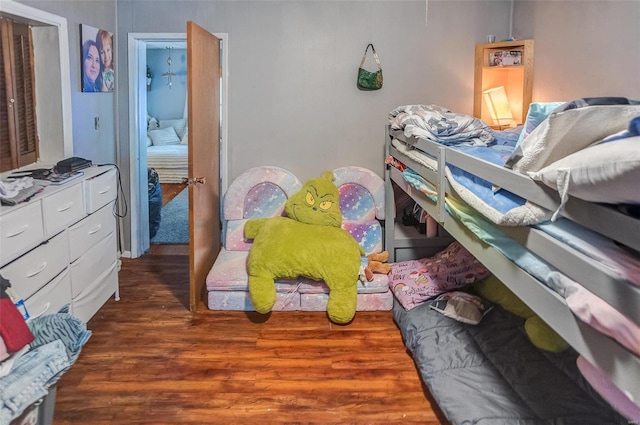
x: 174, y: 221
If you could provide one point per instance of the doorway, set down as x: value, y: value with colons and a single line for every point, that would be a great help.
x: 139, y: 44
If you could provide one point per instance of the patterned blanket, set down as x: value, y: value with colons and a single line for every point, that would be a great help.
x: 438, y: 124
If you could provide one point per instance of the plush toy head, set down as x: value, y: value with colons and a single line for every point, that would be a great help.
x: 309, y: 243
x: 318, y: 202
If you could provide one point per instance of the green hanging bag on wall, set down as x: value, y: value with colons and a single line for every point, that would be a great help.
x: 368, y: 80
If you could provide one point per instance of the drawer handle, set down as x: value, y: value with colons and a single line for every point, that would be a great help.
x: 19, y: 231
x: 44, y: 310
x: 42, y: 267
x: 105, y: 190
x: 91, y: 232
x: 66, y: 207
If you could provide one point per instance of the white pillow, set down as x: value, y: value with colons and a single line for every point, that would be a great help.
x: 164, y: 136
x: 149, y: 141
x: 185, y: 137
x: 178, y: 125
x: 607, y: 172
x: 566, y: 132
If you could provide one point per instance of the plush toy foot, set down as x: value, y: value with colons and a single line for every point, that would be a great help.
x: 382, y: 257
x: 378, y: 267
x: 341, y: 307
x: 368, y: 273
x: 543, y: 336
x: 262, y: 292
x: 376, y: 263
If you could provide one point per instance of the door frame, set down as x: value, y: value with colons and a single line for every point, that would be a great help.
x: 137, y: 62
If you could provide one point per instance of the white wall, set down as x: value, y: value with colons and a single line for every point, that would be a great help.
x: 293, y: 100
x: 97, y: 145
x: 582, y: 48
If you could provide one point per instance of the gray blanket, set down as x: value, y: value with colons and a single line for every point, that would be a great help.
x: 490, y: 374
x: 440, y: 125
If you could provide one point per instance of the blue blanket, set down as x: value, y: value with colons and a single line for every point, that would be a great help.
x: 498, y: 205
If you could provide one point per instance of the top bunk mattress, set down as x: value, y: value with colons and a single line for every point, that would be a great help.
x: 582, y: 175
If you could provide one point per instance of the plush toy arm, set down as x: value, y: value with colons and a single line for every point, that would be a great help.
x: 251, y: 227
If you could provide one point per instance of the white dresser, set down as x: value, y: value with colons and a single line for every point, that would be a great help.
x: 61, y: 246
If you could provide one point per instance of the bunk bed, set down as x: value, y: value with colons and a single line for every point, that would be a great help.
x: 569, y: 241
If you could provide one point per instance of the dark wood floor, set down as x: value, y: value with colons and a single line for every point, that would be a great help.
x: 151, y: 361
x: 170, y: 191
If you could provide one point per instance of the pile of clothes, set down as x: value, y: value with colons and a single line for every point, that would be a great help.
x: 34, y: 353
x: 19, y: 189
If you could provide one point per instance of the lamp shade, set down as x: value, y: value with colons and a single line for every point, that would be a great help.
x: 498, y: 104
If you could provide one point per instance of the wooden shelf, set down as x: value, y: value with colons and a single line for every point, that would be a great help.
x: 516, y: 79
x: 506, y: 68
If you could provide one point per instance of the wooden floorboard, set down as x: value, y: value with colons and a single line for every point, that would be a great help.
x: 151, y: 361
x: 170, y: 191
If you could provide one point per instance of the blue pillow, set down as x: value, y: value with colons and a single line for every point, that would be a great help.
x: 633, y: 130
x: 538, y: 112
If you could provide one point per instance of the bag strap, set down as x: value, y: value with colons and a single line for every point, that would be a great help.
x: 375, y: 56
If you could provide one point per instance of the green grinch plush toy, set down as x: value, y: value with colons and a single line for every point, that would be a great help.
x: 310, y: 243
x: 540, y: 334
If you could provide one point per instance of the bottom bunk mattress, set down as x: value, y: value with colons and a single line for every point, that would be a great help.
x: 490, y: 373
x: 170, y: 161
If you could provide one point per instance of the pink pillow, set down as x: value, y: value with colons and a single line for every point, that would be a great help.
x: 608, y: 391
x: 416, y: 281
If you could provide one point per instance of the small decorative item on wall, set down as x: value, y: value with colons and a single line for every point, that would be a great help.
x: 149, y: 78
x: 97, y: 62
x: 169, y: 74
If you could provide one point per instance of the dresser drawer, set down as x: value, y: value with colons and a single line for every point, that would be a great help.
x: 50, y: 299
x: 96, y: 260
x: 100, y: 190
x: 89, y: 301
x: 62, y: 208
x: 37, y: 267
x: 88, y: 231
x: 20, y: 230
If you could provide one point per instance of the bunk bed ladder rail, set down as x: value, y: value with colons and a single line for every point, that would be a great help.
x: 442, y: 185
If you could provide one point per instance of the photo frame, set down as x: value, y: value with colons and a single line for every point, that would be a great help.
x: 97, y: 60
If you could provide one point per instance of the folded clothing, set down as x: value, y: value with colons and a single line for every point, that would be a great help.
x: 60, y: 326
x: 13, y: 329
x: 11, y: 188
x: 23, y: 195
x: 30, y: 379
x: 4, y: 353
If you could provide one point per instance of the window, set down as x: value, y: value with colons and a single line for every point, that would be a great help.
x: 18, y: 125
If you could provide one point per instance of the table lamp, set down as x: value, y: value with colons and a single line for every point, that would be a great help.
x: 499, y: 108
